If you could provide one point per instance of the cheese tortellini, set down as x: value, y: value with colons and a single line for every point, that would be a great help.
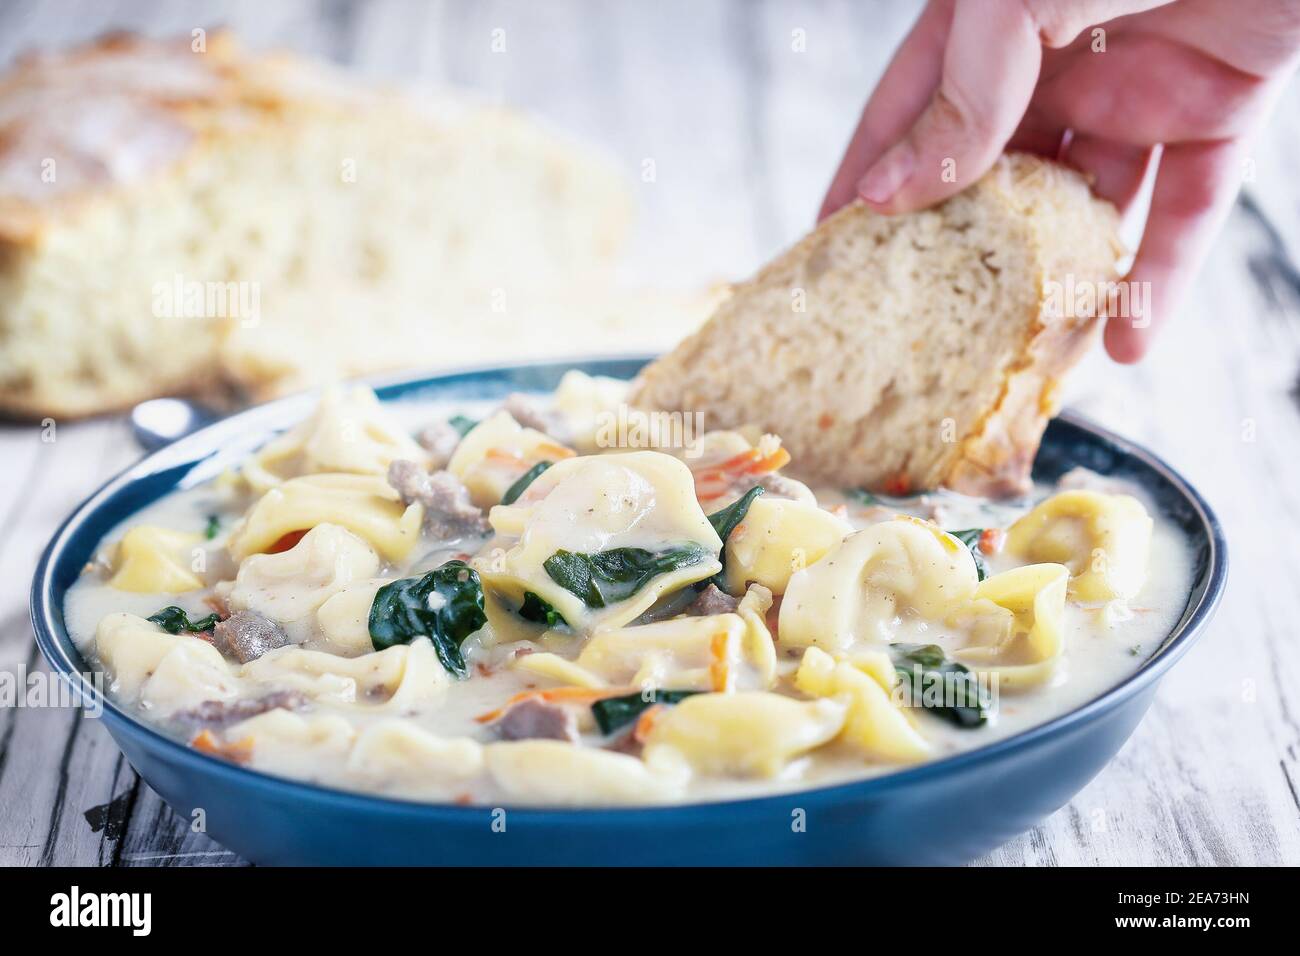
x: 395, y: 755
x: 720, y: 652
x: 554, y: 773
x: 1105, y: 541
x: 778, y: 537
x: 291, y: 585
x: 405, y: 678
x: 585, y: 506
x: 152, y: 559
x: 1019, y: 622
x: 856, y: 590
x: 641, y: 627
x: 163, y: 672
x: 496, y: 452
x: 875, y: 724
x: 350, y: 432
x: 749, y: 734
x: 363, y: 504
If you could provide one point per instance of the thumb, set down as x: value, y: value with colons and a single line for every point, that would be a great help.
x: 990, y: 68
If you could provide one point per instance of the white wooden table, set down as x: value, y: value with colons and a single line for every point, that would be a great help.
x: 745, y: 130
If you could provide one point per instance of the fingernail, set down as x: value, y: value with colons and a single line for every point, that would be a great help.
x: 889, y: 174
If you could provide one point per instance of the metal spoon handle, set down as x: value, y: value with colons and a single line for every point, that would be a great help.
x: 160, y: 421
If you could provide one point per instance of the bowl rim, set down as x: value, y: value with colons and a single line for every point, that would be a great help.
x: 50, y: 637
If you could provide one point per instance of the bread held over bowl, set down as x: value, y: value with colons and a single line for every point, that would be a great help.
x: 183, y: 216
x: 910, y: 352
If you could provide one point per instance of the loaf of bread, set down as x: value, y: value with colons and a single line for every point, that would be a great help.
x: 183, y: 216
x: 904, y: 353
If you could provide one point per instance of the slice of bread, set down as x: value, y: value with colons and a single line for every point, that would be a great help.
x: 184, y: 216
x: 904, y: 353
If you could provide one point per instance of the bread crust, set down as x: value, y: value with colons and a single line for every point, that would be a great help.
x: 153, y: 137
x: 1065, y: 233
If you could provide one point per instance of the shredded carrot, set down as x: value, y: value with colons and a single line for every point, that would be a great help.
x: 552, y: 451
x: 544, y: 451
x: 714, y: 481
x: 646, y: 722
x: 719, y: 666
x: 238, y: 752
x: 898, y: 485
x: 286, y: 541
x: 577, y: 695
x: 992, y: 540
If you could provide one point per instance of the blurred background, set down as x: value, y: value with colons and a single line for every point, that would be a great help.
x: 724, y: 120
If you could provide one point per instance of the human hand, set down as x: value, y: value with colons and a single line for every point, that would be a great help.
x: 1183, y: 83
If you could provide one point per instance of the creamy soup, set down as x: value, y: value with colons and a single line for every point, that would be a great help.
x: 512, y: 605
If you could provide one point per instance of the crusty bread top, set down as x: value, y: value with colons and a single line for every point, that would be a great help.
x: 114, y: 112
x: 902, y: 353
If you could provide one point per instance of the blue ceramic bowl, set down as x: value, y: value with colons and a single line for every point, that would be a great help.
x: 944, y: 812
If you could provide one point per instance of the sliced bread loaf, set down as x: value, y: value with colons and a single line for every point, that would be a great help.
x: 903, y: 353
x: 183, y: 215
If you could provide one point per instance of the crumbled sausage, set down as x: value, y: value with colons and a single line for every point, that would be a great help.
x: 221, y: 713
x: 537, y: 719
x: 439, y: 440
x: 247, y: 635
x: 448, y: 511
x: 712, y: 600
x: 525, y: 411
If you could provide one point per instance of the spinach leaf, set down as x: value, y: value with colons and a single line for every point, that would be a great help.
x: 971, y: 538
x: 966, y: 700
x: 212, y: 528
x: 461, y: 424
x: 174, y: 620
x: 611, y: 713
x: 527, y: 478
x: 446, y: 606
x: 724, y: 522
x: 608, y: 577
x: 540, y: 612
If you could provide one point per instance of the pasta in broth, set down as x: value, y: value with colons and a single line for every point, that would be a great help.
x: 505, y: 611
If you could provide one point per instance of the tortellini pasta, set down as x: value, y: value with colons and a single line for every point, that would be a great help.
x: 1019, y: 622
x: 344, y: 617
x: 720, y: 652
x: 163, y: 672
x: 307, y: 745
x: 291, y: 585
x: 395, y: 755
x: 858, y: 588
x: 1104, y: 539
x: 555, y: 773
x: 406, y: 678
x: 748, y: 734
x: 584, y: 403
x: 350, y: 432
x: 589, y: 505
x: 777, y: 537
x: 496, y: 452
x: 154, y: 559
x: 515, y: 669
x: 875, y: 724
x: 363, y: 504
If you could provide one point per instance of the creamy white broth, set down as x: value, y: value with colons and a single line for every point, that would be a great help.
x: 451, y: 756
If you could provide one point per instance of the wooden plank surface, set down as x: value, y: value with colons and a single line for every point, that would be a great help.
x: 744, y: 126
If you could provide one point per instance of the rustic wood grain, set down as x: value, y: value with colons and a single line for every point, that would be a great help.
x: 744, y: 131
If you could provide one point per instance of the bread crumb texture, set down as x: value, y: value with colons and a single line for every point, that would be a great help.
x: 902, y: 353
x: 182, y: 220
